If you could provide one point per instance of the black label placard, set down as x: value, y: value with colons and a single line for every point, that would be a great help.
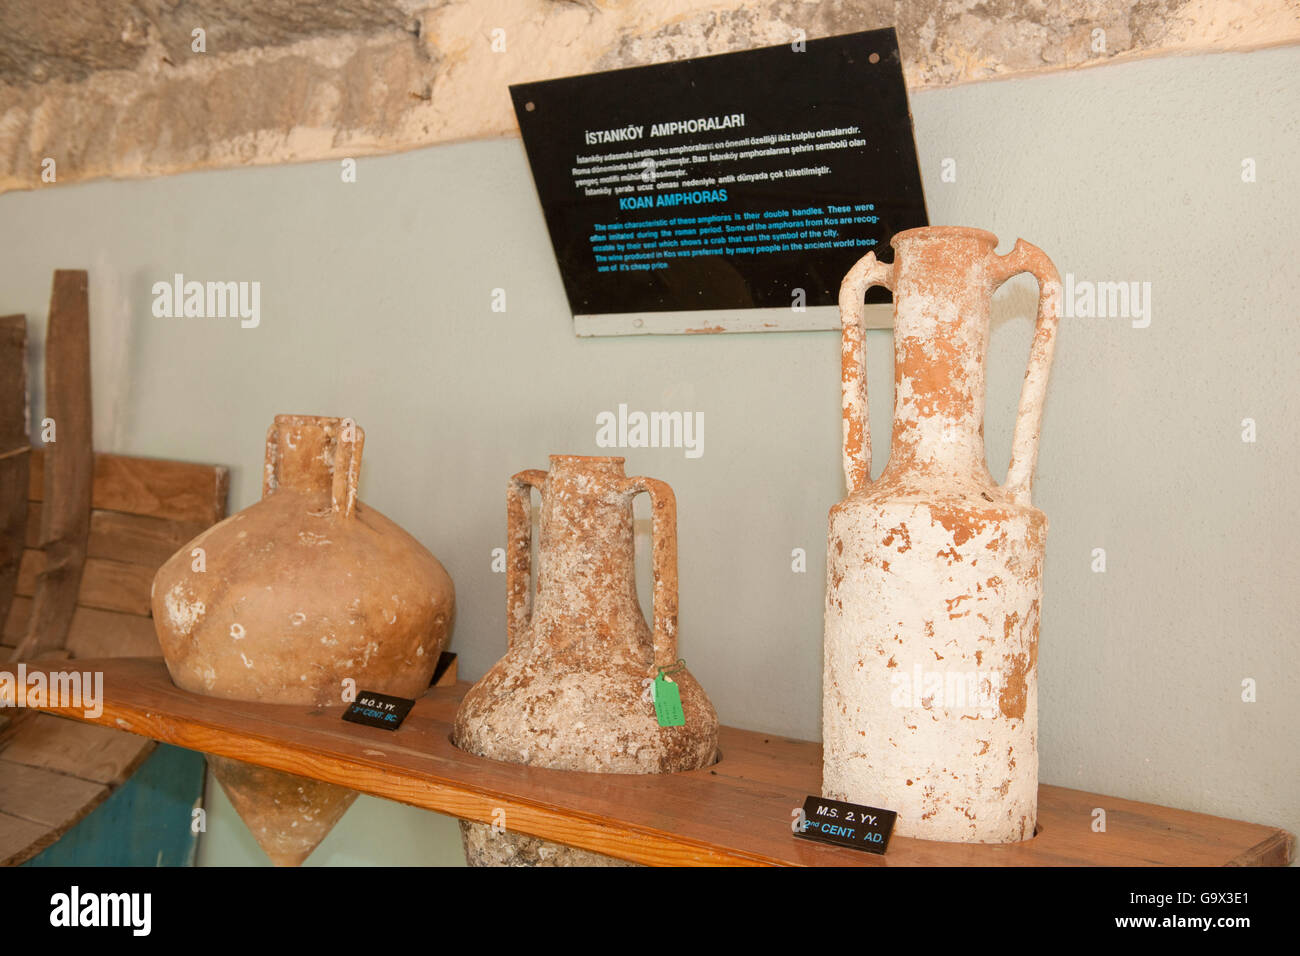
x: 752, y: 179
x: 847, y: 824
x: 378, y: 710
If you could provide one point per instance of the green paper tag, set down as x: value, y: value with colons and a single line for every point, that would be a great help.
x: 668, y: 702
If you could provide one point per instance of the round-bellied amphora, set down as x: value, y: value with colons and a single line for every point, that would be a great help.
x: 934, y: 570
x: 572, y: 691
x: 290, y: 598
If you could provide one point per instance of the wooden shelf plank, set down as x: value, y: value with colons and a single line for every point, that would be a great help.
x: 118, y: 536
x: 45, y: 797
x: 155, y: 487
x: 105, y: 584
x: 78, y: 749
x: 735, y: 813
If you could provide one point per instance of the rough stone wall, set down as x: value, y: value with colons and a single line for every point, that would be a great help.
x: 121, y: 87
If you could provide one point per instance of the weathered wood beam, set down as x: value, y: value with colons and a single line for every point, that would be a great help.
x: 15, y: 457
x: 69, y: 466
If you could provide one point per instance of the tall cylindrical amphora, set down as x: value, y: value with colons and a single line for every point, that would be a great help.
x: 934, y: 570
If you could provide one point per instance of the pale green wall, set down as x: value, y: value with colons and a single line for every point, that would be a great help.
x: 376, y: 305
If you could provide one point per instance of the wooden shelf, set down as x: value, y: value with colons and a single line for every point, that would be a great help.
x: 736, y: 813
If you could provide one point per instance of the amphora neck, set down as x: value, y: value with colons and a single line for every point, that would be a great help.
x: 943, y: 283
x: 316, y: 457
x: 586, y: 577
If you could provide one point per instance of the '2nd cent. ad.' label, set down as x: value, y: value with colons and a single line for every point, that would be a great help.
x: 845, y: 824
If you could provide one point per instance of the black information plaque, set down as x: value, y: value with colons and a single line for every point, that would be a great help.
x: 846, y: 824
x: 743, y: 180
x: 378, y: 710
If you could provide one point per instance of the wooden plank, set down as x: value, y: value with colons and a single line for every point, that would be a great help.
x: 38, y: 806
x: 15, y: 452
x: 140, y: 539
x: 13, y: 524
x: 135, y: 539
x: 144, y: 823
x: 93, y: 633
x: 9, y: 725
x: 154, y: 487
x: 14, y: 412
x: 43, y: 796
x: 21, y: 839
x: 15, y: 627
x: 116, y: 586
x: 1277, y: 850
x: 161, y: 489
x: 737, y: 812
x: 29, y: 569
x: 78, y: 749
x: 68, y: 467
x: 108, y: 585
x: 99, y: 633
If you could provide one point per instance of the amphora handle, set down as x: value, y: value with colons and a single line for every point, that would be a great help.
x: 663, y: 532
x: 1029, y: 417
x: 866, y: 272
x: 519, y: 551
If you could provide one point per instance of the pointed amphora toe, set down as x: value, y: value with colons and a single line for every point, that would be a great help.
x: 287, y: 815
